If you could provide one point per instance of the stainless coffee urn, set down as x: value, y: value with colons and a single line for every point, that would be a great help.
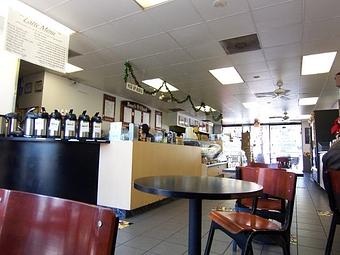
x: 54, y: 125
x: 96, y: 126
x: 83, y: 126
x: 70, y: 121
x: 2, y: 125
x: 13, y: 124
x: 40, y: 123
x: 29, y: 120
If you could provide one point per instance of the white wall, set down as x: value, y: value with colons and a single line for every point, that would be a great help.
x: 64, y: 94
x: 9, y: 68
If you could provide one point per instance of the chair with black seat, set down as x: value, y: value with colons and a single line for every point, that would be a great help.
x: 244, y: 226
x: 332, y: 186
x: 34, y: 224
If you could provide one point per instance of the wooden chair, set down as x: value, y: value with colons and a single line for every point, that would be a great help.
x: 34, y: 224
x: 267, y: 206
x: 332, y: 185
x: 254, y: 164
x: 243, y: 226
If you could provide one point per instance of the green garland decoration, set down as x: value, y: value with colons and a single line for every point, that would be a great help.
x: 129, y: 71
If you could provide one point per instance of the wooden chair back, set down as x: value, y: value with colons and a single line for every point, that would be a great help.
x: 247, y: 173
x: 277, y: 183
x: 34, y: 224
x: 332, y: 185
x: 254, y: 164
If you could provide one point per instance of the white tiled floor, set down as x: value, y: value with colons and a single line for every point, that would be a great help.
x: 164, y: 230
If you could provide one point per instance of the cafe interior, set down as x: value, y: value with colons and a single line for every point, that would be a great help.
x: 165, y: 127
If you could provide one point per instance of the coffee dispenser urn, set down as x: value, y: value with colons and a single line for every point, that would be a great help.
x: 40, y: 123
x: 29, y: 120
x: 12, y: 126
x: 70, y: 120
x: 83, y: 126
x: 54, y: 125
x: 2, y: 125
x: 96, y: 126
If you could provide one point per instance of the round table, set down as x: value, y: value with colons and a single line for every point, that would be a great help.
x: 196, y: 188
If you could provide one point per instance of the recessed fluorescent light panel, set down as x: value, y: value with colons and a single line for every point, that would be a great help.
x: 207, y: 108
x: 149, y: 3
x: 308, y: 101
x: 317, y: 63
x: 250, y: 105
x: 69, y: 68
x: 227, y: 75
x: 157, y: 83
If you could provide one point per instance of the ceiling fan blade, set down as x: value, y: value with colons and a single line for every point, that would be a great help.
x: 275, y: 117
x: 264, y: 94
x: 284, y: 97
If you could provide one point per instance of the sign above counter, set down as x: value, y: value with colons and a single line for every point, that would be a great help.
x: 33, y: 37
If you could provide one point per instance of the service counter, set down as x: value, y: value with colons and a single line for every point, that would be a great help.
x: 65, y: 169
x: 121, y: 162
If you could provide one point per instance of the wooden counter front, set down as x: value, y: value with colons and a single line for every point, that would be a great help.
x: 122, y: 162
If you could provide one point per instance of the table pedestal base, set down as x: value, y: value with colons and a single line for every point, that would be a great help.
x: 195, y: 226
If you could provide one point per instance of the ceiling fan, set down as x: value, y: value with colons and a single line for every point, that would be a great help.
x: 279, y: 92
x: 283, y: 117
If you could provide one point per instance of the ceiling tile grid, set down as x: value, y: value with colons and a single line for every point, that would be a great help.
x: 178, y: 41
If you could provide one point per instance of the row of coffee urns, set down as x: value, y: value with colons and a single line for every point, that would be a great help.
x: 54, y: 125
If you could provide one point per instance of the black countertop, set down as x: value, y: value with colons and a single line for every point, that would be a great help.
x: 33, y: 139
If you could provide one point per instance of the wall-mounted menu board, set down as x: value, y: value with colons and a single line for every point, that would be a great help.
x: 158, y: 120
x: 109, y: 108
x: 132, y: 112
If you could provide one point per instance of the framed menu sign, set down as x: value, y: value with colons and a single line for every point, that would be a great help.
x: 109, y: 103
x: 158, y: 120
x: 132, y: 112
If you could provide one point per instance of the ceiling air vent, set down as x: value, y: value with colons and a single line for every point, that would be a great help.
x: 176, y: 110
x: 241, y: 44
x: 72, y: 54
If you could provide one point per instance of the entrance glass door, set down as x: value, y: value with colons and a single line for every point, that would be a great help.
x: 286, y: 141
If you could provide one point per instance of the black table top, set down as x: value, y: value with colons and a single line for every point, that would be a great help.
x: 203, y: 187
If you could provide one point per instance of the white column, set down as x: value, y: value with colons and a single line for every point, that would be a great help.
x: 9, y: 69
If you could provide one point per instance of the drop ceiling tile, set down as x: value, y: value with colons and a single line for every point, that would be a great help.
x: 321, y: 30
x: 313, y: 81
x: 318, y: 10
x: 261, y: 86
x: 192, y: 35
x: 209, y: 12
x: 108, y: 35
x: 256, y: 4
x: 147, y: 46
x: 247, y: 57
x: 283, y: 51
x: 233, y: 26
x: 285, y: 74
x: 206, y: 50
x: 319, y: 46
x: 109, y: 70
x: 82, y: 44
x: 250, y: 76
x: 174, y: 14
x: 252, y: 67
x: 281, y: 36
x: 285, y: 14
x: 285, y: 63
x: 138, y: 25
x: 42, y: 5
x: 71, y: 15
